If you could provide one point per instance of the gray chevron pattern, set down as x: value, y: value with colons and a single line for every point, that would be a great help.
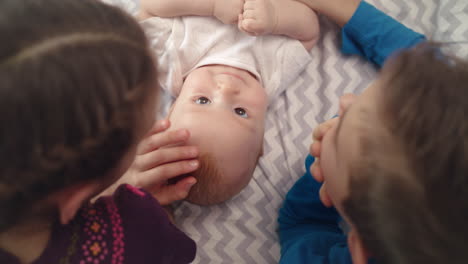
x: 243, y: 230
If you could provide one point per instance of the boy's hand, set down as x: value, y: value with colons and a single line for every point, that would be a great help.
x: 316, y: 147
x: 161, y: 157
x: 227, y: 11
x: 315, y: 150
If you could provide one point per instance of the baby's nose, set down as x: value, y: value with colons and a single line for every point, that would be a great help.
x: 228, y: 85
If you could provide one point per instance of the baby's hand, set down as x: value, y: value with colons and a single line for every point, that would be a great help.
x: 227, y: 11
x: 259, y: 17
x: 161, y: 158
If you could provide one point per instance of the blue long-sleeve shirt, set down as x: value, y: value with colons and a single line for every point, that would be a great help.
x: 308, y: 231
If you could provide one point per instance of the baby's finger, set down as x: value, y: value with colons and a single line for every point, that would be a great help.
x: 250, y: 26
x: 239, y: 22
x: 163, y: 173
x: 156, y: 141
x: 165, y: 155
x: 175, y: 192
x: 249, y: 14
x: 249, y: 5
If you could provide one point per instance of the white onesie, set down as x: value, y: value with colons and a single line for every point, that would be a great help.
x: 183, y: 44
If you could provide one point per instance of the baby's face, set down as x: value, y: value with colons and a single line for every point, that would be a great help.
x: 224, y: 110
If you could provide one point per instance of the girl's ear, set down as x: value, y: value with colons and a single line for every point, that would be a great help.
x: 359, y: 253
x: 70, y: 200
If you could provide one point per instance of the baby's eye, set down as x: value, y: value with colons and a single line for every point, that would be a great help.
x: 203, y: 100
x: 241, y: 112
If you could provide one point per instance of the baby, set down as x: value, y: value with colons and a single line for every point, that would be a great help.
x: 223, y: 77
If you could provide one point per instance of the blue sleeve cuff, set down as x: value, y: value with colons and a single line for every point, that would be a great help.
x: 375, y: 35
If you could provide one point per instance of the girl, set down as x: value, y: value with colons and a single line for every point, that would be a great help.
x: 77, y: 92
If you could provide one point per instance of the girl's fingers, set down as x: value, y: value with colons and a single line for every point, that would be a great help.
x: 170, y: 193
x: 164, y: 155
x: 160, y: 126
x: 161, y: 174
x: 158, y: 140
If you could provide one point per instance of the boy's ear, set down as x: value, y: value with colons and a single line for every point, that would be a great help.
x: 359, y: 253
x: 70, y: 199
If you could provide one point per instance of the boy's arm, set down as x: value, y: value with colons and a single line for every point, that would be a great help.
x: 309, y: 231
x: 226, y: 11
x: 367, y: 31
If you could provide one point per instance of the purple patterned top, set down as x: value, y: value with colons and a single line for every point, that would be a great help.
x: 128, y: 227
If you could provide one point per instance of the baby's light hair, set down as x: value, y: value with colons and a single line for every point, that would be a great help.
x: 209, y: 177
x: 211, y: 188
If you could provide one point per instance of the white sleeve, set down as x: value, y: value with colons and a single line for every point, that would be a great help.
x: 160, y: 33
x: 282, y: 60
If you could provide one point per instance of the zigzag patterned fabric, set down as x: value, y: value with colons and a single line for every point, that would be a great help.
x: 243, y: 230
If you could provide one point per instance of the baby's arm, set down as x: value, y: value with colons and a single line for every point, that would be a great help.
x: 339, y: 11
x: 281, y: 17
x: 225, y: 10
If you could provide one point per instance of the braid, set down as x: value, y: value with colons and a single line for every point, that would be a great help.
x: 70, y: 102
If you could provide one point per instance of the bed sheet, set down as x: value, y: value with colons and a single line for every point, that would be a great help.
x: 243, y: 230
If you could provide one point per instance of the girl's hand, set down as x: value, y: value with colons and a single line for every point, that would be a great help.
x: 162, y: 156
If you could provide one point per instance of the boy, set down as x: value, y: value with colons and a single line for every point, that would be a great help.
x: 393, y: 165
x: 221, y: 77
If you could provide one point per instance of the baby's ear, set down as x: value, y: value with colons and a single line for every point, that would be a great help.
x: 70, y: 199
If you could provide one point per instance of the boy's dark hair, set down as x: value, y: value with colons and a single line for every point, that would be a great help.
x: 74, y: 77
x: 416, y: 212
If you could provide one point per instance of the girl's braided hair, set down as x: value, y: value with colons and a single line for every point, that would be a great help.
x: 74, y: 76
